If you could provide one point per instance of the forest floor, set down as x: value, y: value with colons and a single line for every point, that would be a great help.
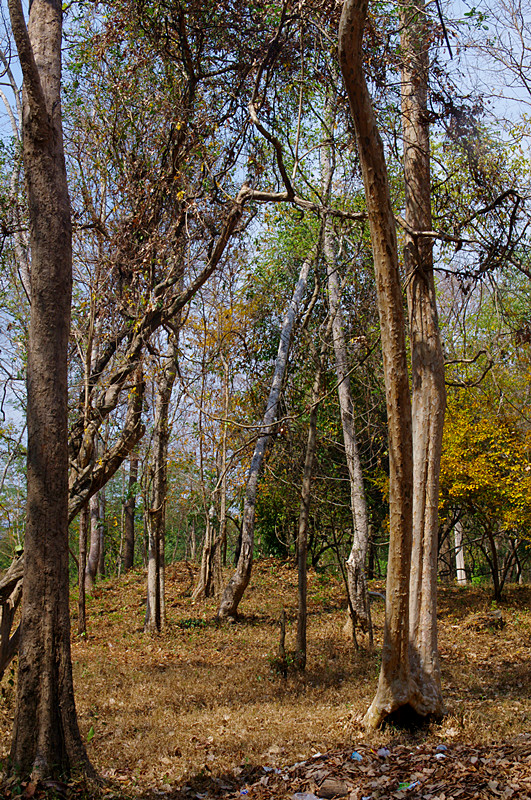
x: 201, y: 712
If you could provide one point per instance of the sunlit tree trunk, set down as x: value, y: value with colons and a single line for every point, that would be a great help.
x: 356, y: 575
x: 234, y: 590
x: 211, y: 573
x: 155, y: 610
x: 427, y: 363
x: 459, y: 553
x: 46, y: 737
x: 395, y: 687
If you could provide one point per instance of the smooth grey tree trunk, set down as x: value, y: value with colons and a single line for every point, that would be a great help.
x: 46, y: 738
x: 237, y: 585
x: 459, y: 553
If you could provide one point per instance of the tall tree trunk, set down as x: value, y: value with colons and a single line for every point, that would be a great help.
x: 83, y: 526
x: 156, y: 513
x: 237, y: 585
x: 395, y: 688
x: 46, y: 737
x: 210, y: 573
x: 427, y: 363
x: 356, y: 575
x: 129, y: 514
x: 304, y: 513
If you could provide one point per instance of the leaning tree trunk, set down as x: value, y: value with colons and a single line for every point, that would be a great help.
x: 46, y: 738
x: 427, y: 363
x: 156, y: 513
x: 395, y: 688
x: 237, y: 585
x: 356, y: 575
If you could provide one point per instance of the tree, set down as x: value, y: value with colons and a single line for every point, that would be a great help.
x: 394, y: 688
x: 427, y: 363
x: 237, y: 585
x: 46, y: 738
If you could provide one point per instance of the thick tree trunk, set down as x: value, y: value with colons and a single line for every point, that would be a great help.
x: 427, y: 363
x: 46, y: 737
x: 395, y: 687
x: 356, y: 575
x: 156, y: 513
x: 237, y: 585
x: 129, y: 514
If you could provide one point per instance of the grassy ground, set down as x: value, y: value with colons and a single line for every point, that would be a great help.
x: 203, y: 700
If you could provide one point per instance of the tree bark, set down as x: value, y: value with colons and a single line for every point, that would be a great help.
x: 237, y: 585
x: 81, y: 606
x: 93, y: 557
x: 46, y: 738
x: 211, y: 573
x: 356, y: 575
x: 304, y: 513
x: 129, y: 514
x: 459, y: 553
x: 156, y: 513
x: 10, y: 594
x: 427, y: 362
x: 395, y: 687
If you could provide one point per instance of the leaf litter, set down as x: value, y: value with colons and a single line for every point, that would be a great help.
x: 199, y: 712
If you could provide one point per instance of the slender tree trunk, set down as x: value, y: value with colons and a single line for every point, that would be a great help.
x: 82, y: 616
x: 211, y: 573
x: 46, y: 737
x: 129, y: 514
x: 395, y: 688
x: 459, y: 553
x: 427, y: 363
x: 356, y: 575
x: 155, y: 611
x: 304, y: 513
x: 101, y: 532
x: 234, y: 590
x: 93, y: 557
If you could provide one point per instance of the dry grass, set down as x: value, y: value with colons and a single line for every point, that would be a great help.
x: 202, y: 699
